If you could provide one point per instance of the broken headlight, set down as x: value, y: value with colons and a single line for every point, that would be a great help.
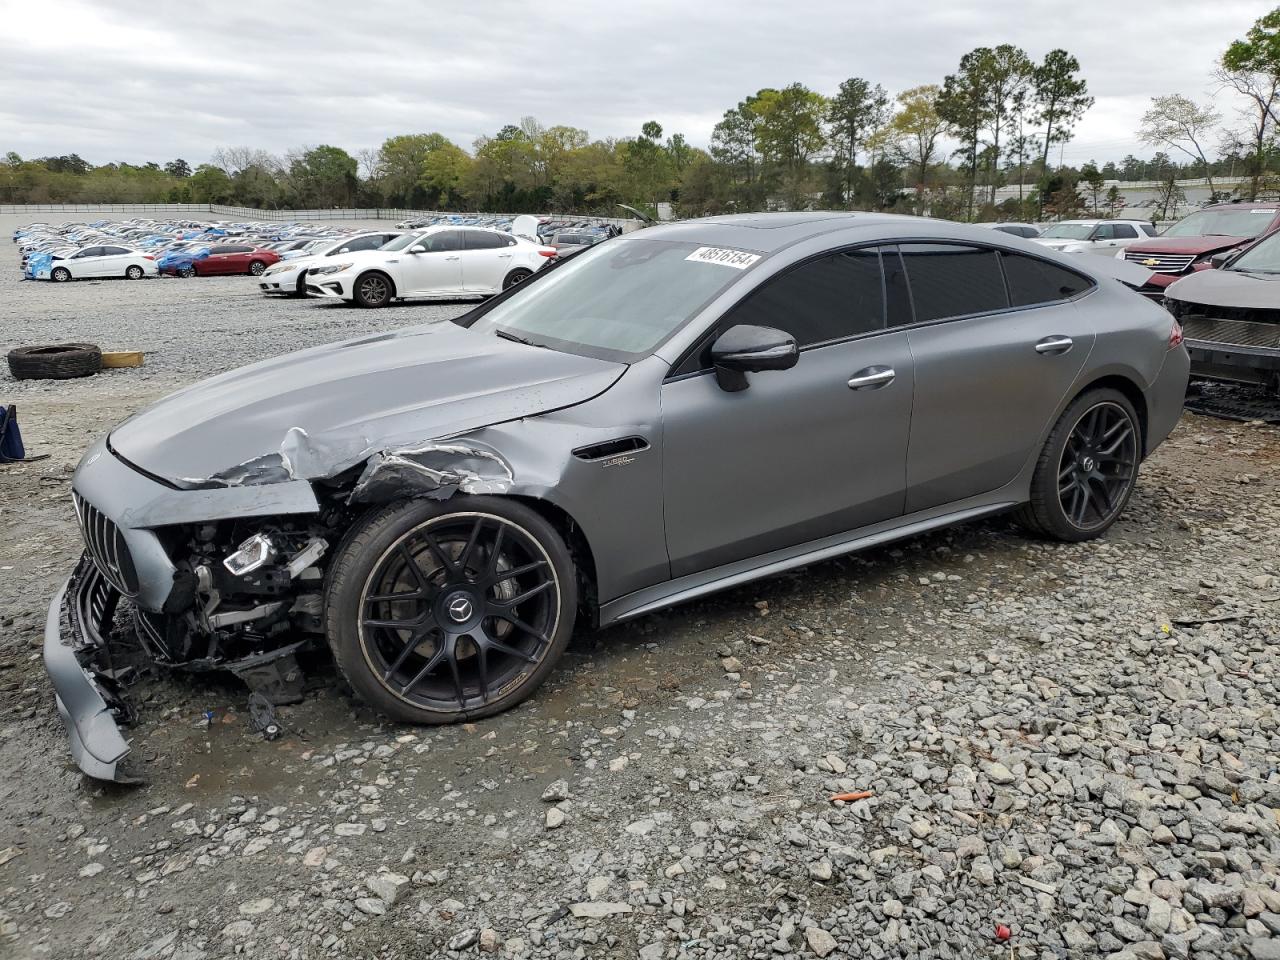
x: 254, y: 553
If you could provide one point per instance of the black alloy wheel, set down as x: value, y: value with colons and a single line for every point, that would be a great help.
x: 1088, y: 468
x: 1098, y: 466
x: 437, y: 615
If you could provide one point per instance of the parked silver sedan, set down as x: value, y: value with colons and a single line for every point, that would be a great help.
x: 680, y: 410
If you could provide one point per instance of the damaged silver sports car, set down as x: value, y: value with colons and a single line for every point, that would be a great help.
x: 669, y: 413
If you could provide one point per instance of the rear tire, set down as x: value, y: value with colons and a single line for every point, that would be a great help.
x: 1087, y: 469
x: 518, y: 275
x: 134, y: 272
x: 60, y: 275
x: 373, y: 289
x: 422, y: 623
x: 256, y: 267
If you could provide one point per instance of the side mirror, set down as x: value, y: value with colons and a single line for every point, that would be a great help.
x: 747, y: 349
x: 344, y: 250
x: 1219, y: 260
x: 418, y: 248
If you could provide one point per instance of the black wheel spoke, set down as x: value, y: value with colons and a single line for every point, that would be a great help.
x: 1116, y: 441
x: 521, y: 598
x: 465, y: 557
x: 1098, y: 465
x: 409, y: 647
x: 458, y: 611
x: 504, y: 614
x: 518, y: 571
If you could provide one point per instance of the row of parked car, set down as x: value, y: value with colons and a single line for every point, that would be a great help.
x: 143, y: 247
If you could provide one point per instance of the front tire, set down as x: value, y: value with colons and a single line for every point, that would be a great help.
x: 372, y: 290
x: 60, y: 275
x: 187, y: 271
x: 1087, y: 469
x: 519, y: 275
x: 438, y: 612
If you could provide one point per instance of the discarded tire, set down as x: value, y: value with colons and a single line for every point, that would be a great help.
x: 60, y: 361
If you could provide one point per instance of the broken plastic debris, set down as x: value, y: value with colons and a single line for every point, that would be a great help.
x: 1003, y: 932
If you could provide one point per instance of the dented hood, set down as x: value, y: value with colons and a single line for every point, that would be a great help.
x: 317, y: 412
x: 1198, y: 246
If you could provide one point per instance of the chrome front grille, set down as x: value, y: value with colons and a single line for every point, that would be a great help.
x: 106, y: 546
x: 1160, y: 262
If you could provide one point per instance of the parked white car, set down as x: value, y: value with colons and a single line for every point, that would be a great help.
x: 289, y: 277
x: 438, y: 262
x: 1094, y: 236
x: 97, y: 262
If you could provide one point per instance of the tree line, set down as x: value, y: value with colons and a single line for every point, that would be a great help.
x: 943, y: 149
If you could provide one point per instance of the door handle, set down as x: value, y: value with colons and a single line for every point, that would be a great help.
x: 872, y: 378
x: 452, y: 258
x: 504, y: 256
x: 1054, y: 345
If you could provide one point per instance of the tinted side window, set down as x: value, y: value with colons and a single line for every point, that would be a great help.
x: 222, y: 249
x: 483, y: 240
x: 1034, y: 281
x: 1122, y: 231
x: 445, y: 240
x: 364, y: 243
x: 830, y: 298
x: 113, y: 251
x: 1148, y: 229
x: 88, y: 252
x: 949, y: 280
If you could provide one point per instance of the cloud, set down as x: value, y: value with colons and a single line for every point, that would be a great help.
x: 136, y: 81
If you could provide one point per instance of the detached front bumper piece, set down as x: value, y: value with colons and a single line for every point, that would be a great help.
x: 85, y: 604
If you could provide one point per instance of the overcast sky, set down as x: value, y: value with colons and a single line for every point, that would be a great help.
x: 122, y: 80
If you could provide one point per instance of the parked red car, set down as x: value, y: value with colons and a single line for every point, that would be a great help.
x: 228, y: 258
x: 1191, y: 243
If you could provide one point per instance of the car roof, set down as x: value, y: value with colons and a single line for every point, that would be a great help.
x: 767, y: 232
x: 1237, y: 204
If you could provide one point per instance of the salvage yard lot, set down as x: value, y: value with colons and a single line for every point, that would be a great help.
x: 1077, y: 741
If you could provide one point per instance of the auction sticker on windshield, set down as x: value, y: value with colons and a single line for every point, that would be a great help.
x: 726, y: 258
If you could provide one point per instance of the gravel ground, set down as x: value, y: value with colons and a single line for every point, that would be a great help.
x: 1077, y: 742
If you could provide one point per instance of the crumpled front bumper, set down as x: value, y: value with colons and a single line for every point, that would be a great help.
x: 85, y: 604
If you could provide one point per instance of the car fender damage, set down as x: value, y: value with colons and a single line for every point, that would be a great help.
x: 246, y: 584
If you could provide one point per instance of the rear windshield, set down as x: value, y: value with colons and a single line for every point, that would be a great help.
x: 617, y: 300
x: 1244, y: 222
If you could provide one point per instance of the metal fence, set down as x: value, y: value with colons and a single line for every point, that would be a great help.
x: 292, y: 216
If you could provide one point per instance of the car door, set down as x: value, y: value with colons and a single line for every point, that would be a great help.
x: 114, y: 261
x: 997, y: 341
x: 801, y: 454
x: 1122, y: 235
x: 84, y: 263
x: 216, y: 262
x: 435, y: 272
x: 486, y: 260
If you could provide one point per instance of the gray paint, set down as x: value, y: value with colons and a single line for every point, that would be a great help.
x: 729, y: 486
x: 1227, y: 288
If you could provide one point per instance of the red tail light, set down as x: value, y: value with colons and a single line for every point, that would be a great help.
x: 1175, y: 335
x: 547, y: 252
x: 147, y: 256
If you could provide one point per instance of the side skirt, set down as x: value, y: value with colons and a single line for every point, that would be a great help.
x: 744, y: 571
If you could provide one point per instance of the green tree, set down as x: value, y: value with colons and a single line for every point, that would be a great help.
x: 788, y: 134
x: 178, y: 168
x: 963, y: 106
x: 853, y: 114
x: 1251, y: 67
x: 1006, y: 75
x: 324, y: 176
x: 914, y: 133
x: 1093, y: 182
x: 733, y: 144
x: 443, y: 171
x: 210, y: 184
x: 400, y: 165
x: 1062, y: 97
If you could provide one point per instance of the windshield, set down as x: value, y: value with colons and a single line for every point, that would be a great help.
x: 616, y: 300
x: 1227, y: 223
x: 1263, y: 258
x: 401, y: 243
x: 1068, y: 231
